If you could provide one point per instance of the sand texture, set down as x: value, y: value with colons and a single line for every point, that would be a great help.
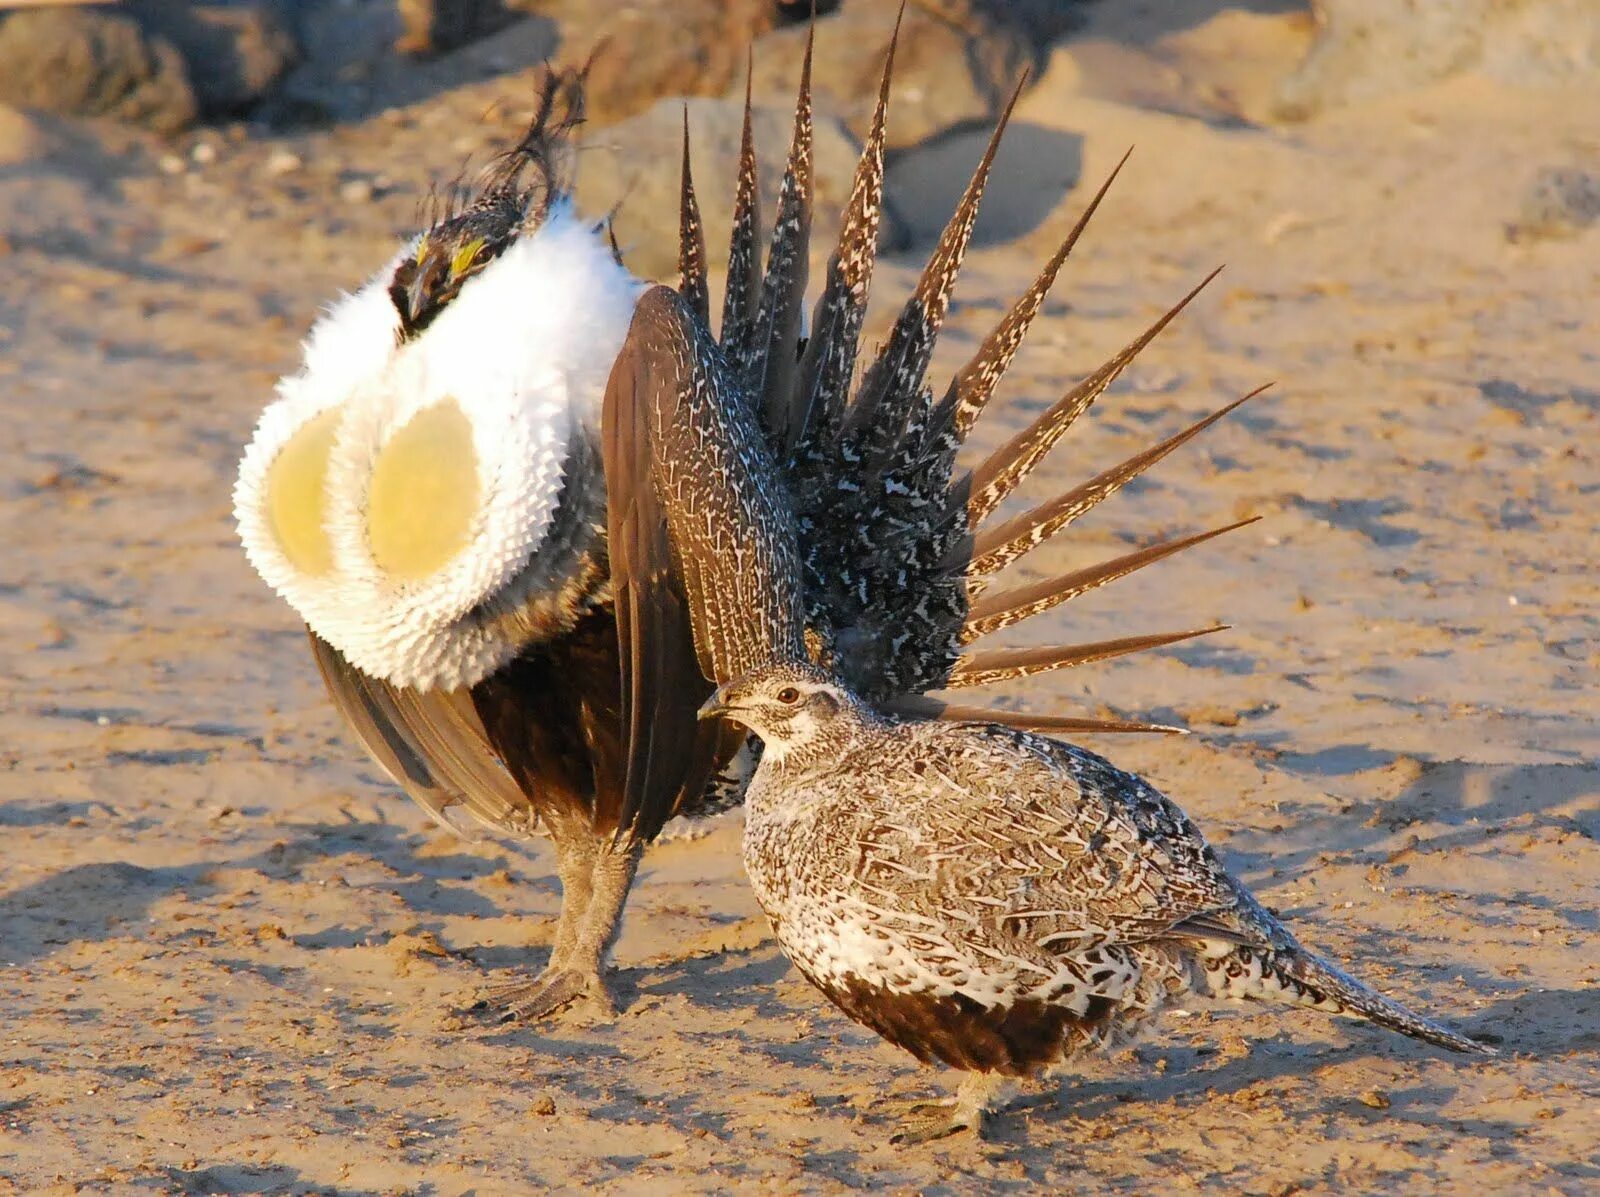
x: 230, y: 955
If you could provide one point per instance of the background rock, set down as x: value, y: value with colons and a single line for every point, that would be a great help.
x: 1370, y: 47
x: 351, y: 68
x: 430, y: 26
x: 235, y: 53
x: 1561, y: 202
x: 639, y: 163
x: 655, y: 48
x: 1034, y: 168
x: 86, y: 62
x: 957, y: 61
x: 21, y: 138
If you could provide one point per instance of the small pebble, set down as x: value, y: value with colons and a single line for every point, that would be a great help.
x: 356, y: 191
x: 171, y: 164
x: 544, y: 1105
x: 283, y: 162
x: 1376, y: 1098
x: 1560, y: 203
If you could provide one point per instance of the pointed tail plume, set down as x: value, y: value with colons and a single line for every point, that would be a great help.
x: 1305, y: 979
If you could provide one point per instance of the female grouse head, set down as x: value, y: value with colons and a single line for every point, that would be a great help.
x: 407, y: 474
x: 790, y: 706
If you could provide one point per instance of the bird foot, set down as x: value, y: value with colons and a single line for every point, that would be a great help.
x: 925, y: 1121
x: 550, y: 992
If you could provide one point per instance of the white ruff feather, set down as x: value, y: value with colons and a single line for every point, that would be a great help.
x: 525, y: 350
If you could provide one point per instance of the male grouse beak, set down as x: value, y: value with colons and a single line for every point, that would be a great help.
x: 418, y: 292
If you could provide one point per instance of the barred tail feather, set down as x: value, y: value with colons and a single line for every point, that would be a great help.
x: 692, y: 240
x: 1007, y: 607
x: 997, y: 547
x: 744, y: 254
x: 998, y: 475
x: 1299, y: 978
x: 771, y: 367
x: 830, y: 356
x: 986, y: 667
x: 923, y: 706
x: 893, y: 384
x: 974, y: 384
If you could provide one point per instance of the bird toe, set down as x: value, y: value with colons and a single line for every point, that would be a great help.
x: 547, y: 994
x: 925, y: 1122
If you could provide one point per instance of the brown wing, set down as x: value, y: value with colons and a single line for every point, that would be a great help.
x: 432, y: 743
x: 704, y: 568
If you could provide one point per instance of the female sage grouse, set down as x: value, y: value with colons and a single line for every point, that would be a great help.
x: 527, y: 506
x: 995, y: 899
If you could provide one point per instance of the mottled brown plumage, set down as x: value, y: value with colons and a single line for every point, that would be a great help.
x: 994, y: 900
x: 755, y: 507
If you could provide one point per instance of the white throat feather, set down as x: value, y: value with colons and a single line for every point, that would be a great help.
x: 524, y: 352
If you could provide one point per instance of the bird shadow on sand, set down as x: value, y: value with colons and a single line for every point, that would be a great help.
x: 1142, y: 24
x: 1370, y: 518
x: 1454, y: 806
x: 106, y: 899
x: 738, y: 983
x: 259, y: 1178
x: 1033, y: 168
x: 87, y: 902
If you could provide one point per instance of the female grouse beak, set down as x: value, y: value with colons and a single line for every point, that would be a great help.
x: 716, y: 705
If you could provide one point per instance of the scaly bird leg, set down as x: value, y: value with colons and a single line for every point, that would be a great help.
x: 575, y: 867
x: 583, y: 937
x: 975, y: 1099
x: 577, y: 850
x: 614, y: 870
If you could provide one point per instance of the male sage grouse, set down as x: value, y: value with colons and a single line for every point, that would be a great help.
x: 995, y: 899
x: 528, y: 505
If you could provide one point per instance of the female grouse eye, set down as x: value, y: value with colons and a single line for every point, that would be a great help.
x: 788, y: 696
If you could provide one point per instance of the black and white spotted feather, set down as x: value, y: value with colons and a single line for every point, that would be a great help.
x: 893, y: 537
x: 995, y: 899
x: 762, y: 489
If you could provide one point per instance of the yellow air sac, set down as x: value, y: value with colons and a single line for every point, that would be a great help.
x: 424, y: 493
x: 297, y: 495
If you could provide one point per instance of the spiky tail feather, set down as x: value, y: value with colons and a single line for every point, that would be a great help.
x: 1300, y: 978
x: 897, y: 561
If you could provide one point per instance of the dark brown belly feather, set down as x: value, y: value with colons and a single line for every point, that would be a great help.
x: 1017, y: 1039
x: 554, y: 714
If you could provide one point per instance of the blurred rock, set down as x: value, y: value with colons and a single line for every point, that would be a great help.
x: 351, y: 68
x: 961, y: 56
x: 957, y: 62
x: 1561, y: 202
x: 436, y: 26
x: 638, y: 163
x: 88, y: 62
x: 649, y: 49
x: 1366, y: 48
x: 1033, y: 171
x: 22, y: 139
x: 235, y: 53
x: 798, y: 12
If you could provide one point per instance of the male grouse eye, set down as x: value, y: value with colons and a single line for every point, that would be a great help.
x: 788, y: 696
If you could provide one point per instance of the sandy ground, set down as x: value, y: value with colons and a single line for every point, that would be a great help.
x: 229, y: 955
